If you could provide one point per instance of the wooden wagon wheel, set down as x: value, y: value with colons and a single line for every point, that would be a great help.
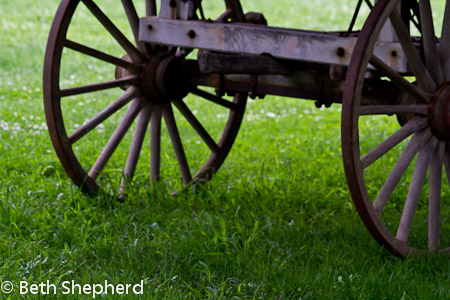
x: 401, y: 207
x: 146, y: 82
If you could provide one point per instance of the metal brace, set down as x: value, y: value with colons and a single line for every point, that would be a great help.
x: 254, y: 87
x: 220, y: 90
x: 320, y: 81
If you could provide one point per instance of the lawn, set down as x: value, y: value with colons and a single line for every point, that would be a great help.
x: 276, y: 222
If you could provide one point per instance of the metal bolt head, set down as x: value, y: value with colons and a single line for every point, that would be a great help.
x: 192, y: 34
x: 340, y: 52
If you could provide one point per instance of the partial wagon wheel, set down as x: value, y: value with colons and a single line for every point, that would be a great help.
x: 398, y: 183
x: 145, y: 83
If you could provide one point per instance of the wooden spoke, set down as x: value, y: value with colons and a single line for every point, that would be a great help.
x: 394, y: 109
x: 414, y: 12
x: 133, y: 19
x: 186, y: 112
x: 130, y: 94
x: 214, y: 99
x: 176, y: 143
x: 131, y: 50
x: 155, y: 143
x: 429, y: 42
x: 103, y: 56
x: 236, y: 7
x: 132, y: 16
x: 447, y: 161
x: 401, y: 82
x: 423, y: 77
x: 150, y: 7
x: 115, y: 139
x: 225, y: 15
x: 129, y: 80
x: 138, y: 140
x: 445, y: 43
x: 417, y: 182
x: 417, y: 141
x: 434, y: 213
x: 415, y: 125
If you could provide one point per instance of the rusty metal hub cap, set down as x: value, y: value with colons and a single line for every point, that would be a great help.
x: 439, y: 115
x: 162, y: 78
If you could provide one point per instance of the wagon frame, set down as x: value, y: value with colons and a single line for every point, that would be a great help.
x: 381, y: 70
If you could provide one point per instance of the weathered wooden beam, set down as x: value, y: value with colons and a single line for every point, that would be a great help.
x: 168, y: 11
x: 280, y: 43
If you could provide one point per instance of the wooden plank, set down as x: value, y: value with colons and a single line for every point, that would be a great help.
x: 186, y: 10
x: 166, y: 11
x: 281, y: 43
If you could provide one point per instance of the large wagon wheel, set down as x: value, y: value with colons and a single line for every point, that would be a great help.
x: 396, y: 196
x: 146, y: 81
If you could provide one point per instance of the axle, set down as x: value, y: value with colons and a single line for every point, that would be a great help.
x: 167, y: 77
x: 297, y: 80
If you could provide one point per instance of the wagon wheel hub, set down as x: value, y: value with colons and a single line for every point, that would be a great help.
x: 440, y: 112
x: 162, y: 78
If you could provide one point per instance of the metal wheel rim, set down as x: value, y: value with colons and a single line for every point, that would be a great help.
x: 350, y: 133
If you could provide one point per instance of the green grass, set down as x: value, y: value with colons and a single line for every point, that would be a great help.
x: 276, y: 222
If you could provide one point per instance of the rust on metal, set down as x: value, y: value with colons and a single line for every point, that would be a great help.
x: 439, y: 116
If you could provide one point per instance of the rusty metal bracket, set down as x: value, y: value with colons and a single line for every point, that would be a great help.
x: 320, y: 84
x: 219, y: 89
x: 253, y: 86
